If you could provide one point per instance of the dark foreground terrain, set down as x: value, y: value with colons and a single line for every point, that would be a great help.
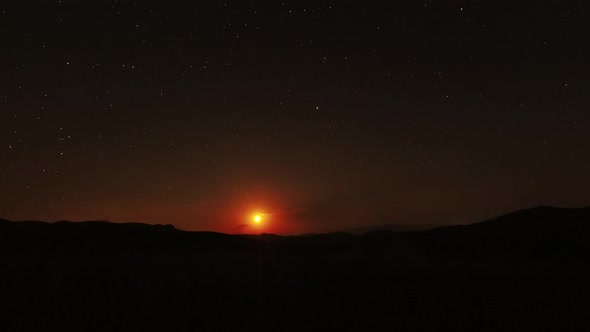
x: 526, y: 271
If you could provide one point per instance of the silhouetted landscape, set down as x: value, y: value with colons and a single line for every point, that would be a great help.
x: 526, y: 270
x: 294, y: 165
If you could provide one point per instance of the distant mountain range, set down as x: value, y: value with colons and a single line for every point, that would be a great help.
x: 541, y: 232
x: 393, y: 228
x: 525, y: 271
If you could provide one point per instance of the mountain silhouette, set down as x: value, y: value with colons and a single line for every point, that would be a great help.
x: 392, y: 227
x: 541, y: 231
x: 104, y: 236
x: 526, y: 270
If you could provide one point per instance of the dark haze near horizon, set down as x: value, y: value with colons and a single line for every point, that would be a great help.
x: 321, y: 115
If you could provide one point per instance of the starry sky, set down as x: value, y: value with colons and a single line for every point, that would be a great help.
x: 322, y: 115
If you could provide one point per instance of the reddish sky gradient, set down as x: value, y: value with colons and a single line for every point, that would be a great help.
x: 325, y: 115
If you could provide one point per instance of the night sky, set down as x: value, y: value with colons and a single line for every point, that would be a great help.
x: 321, y: 115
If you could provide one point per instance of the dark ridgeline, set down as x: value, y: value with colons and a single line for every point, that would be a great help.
x: 526, y: 270
x: 393, y: 228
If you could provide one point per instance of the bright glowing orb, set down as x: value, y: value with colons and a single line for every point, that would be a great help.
x: 257, y: 218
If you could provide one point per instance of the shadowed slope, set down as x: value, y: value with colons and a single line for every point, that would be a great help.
x: 103, y: 236
x: 541, y: 232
